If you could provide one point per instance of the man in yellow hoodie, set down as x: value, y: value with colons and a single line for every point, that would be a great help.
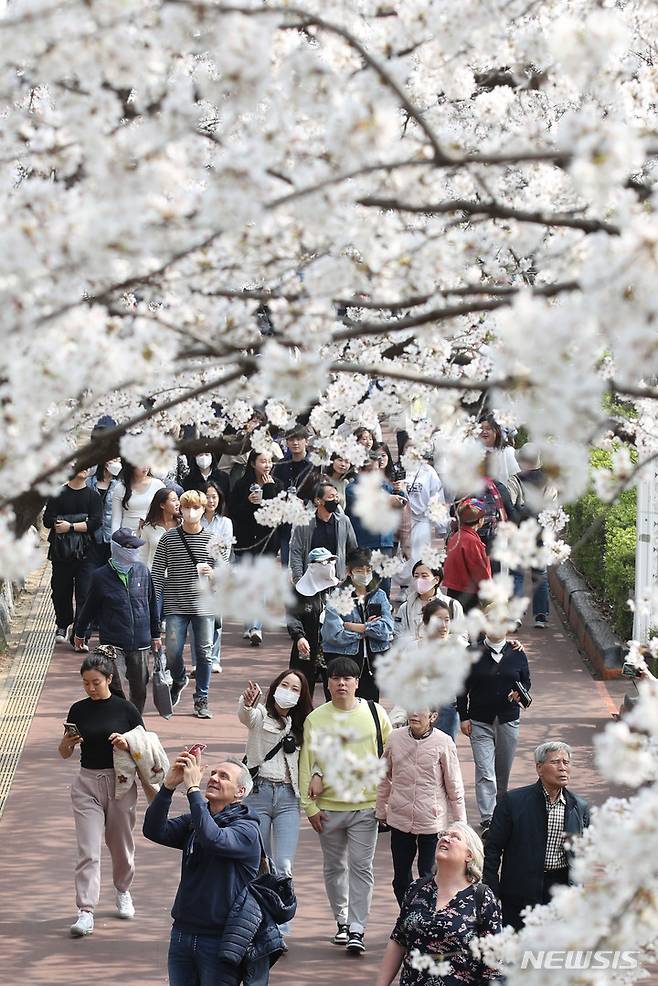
x: 346, y: 825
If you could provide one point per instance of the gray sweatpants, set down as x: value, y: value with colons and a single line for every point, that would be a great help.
x: 97, y: 813
x: 493, y: 748
x: 348, y: 841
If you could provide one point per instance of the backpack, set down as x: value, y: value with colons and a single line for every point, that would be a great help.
x: 494, y: 511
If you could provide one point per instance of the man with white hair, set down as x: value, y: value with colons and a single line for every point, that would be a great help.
x: 220, y: 841
x: 528, y: 831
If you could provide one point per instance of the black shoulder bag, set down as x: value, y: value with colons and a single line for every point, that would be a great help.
x: 382, y: 826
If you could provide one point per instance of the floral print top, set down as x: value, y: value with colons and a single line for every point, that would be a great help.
x: 421, y: 927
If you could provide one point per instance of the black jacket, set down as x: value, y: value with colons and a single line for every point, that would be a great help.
x: 250, y: 536
x: 488, y: 684
x: 126, y: 617
x: 302, y: 475
x: 194, y: 480
x: 303, y: 620
x: 518, y: 833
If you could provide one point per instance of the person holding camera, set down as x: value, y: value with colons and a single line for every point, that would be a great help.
x: 489, y: 709
x: 276, y: 732
x: 364, y: 632
x: 97, y: 724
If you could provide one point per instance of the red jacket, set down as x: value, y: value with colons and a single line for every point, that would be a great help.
x: 466, y: 563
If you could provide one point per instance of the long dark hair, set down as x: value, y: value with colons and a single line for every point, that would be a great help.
x: 299, y: 713
x: 383, y: 447
x: 127, y: 469
x: 500, y: 441
x: 155, y: 513
x: 221, y: 506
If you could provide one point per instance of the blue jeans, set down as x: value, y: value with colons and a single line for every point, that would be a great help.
x: 216, y: 650
x: 447, y: 721
x: 193, y: 961
x: 253, y: 625
x: 277, y: 808
x: 204, y: 629
x: 540, y: 605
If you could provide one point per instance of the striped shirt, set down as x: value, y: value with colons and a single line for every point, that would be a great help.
x: 556, y: 858
x: 175, y: 573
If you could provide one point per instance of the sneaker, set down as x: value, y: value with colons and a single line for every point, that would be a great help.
x: 201, y: 710
x: 176, y: 690
x: 355, y: 944
x: 246, y: 635
x: 60, y: 634
x: 125, y: 906
x: 216, y: 667
x: 540, y: 622
x: 83, y: 926
x: 341, y: 936
x: 70, y: 635
x: 256, y: 637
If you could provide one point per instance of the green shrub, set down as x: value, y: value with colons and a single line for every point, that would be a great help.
x: 607, y: 559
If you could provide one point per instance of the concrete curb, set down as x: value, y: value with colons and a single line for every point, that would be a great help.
x: 595, y: 638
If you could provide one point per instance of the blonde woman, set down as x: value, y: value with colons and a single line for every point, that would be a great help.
x: 443, y: 914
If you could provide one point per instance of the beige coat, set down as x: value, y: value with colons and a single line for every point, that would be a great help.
x: 422, y: 790
x: 145, y: 757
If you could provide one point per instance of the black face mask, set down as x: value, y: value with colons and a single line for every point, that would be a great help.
x: 331, y: 506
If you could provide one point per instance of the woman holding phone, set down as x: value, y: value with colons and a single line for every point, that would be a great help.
x: 276, y: 732
x: 96, y: 724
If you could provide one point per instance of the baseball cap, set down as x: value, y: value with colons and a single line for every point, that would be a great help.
x: 127, y: 538
x: 470, y: 511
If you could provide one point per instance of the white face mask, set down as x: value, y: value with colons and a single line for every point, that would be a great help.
x: 423, y: 584
x: 192, y: 514
x: 114, y: 468
x: 204, y: 461
x: 361, y: 578
x: 285, y: 698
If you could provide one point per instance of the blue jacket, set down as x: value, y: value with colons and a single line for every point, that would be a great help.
x: 104, y: 532
x: 221, y: 855
x: 379, y: 633
x: 364, y: 537
x: 251, y: 931
x: 126, y: 617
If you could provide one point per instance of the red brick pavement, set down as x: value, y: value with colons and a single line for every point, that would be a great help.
x: 37, y: 834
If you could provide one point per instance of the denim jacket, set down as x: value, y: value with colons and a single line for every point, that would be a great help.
x: 104, y: 532
x: 379, y: 633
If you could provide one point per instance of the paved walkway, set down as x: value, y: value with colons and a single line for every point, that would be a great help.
x: 37, y: 836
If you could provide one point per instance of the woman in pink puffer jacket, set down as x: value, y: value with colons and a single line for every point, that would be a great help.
x: 421, y: 792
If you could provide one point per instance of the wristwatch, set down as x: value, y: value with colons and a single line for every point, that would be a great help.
x: 70, y: 528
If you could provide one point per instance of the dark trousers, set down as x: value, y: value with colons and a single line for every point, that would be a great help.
x: 404, y: 846
x: 311, y: 669
x: 512, y: 906
x: 69, y: 579
x: 469, y: 600
x: 134, y: 664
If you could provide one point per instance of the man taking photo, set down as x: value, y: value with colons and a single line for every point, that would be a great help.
x: 220, y: 842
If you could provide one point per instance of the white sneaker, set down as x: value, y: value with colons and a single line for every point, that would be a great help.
x: 84, y: 925
x: 246, y: 635
x: 256, y: 637
x: 216, y: 667
x: 125, y: 906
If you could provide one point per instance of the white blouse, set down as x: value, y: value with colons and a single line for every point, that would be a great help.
x: 138, y: 505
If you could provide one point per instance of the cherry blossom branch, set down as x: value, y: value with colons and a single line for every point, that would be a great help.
x: 358, y: 329
x: 442, y: 383
x: 494, y: 210
x: 415, y: 301
x: 107, y: 444
x: 309, y: 19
